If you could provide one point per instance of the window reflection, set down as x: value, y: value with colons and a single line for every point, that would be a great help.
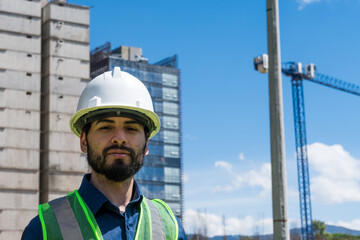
x: 171, y: 151
x: 170, y: 80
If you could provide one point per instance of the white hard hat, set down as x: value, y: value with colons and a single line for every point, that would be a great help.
x: 115, y: 93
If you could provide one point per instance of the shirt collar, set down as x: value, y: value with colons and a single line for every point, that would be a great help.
x: 95, y: 199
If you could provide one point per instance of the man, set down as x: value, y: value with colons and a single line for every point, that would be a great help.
x: 114, y: 120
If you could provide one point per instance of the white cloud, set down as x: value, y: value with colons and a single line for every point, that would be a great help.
x: 225, y: 165
x: 260, y: 178
x: 303, y: 3
x: 337, y: 178
x: 253, y: 178
x: 212, y: 224
x: 241, y: 157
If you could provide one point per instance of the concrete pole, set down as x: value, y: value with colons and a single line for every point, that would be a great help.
x: 278, y: 166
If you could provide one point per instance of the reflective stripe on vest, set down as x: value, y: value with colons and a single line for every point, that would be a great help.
x: 171, y: 231
x: 157, y: 228
x: 66, y: 218
x: 57, y: 226
x: 70, y: 218
x: 161, y: 223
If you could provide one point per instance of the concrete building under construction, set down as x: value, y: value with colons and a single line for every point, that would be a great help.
x: 20, y: 91
x: 44, y: 65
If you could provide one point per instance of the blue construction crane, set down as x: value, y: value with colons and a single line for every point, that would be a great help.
x: 297, y: 74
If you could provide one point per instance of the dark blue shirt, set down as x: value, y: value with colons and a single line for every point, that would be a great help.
x: 113, y: 224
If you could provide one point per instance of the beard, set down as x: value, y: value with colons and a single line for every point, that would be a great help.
x: 118, y: 171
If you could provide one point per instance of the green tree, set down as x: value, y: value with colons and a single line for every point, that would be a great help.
x: 319, y: 229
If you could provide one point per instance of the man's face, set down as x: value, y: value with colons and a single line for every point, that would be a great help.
x: 115, y: 147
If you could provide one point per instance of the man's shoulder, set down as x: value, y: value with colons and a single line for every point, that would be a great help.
x: 33, y: 230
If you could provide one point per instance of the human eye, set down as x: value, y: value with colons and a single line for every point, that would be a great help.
x: 132, y: 128
x: 104, y: 127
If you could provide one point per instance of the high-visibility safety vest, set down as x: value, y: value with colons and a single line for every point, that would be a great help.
x: 69, y: 218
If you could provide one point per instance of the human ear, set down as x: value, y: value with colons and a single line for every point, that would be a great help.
x: 146, y: 152
x: 83, y: 142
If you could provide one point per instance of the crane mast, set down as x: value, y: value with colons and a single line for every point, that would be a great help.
x: 295, y: 71
x: 302, y: 158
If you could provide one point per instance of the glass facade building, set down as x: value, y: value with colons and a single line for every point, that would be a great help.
x: 160, y: 177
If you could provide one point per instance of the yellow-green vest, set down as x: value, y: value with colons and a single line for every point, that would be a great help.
x: 69, y: 218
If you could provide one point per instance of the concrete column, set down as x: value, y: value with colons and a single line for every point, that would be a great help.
x: 281, y: 230
x: 65, y: 73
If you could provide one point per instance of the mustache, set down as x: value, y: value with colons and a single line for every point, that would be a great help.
x: 121, y: 147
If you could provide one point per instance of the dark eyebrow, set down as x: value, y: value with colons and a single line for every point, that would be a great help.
x: 133, y: 122
x: 104, y: 121
x: 112, y: 121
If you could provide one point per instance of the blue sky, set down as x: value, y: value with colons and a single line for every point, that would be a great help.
x: 225, y: 108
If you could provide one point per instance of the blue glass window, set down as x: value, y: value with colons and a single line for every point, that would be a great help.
x: 171, y: 108
x: 171, y: 151
x: 171, y: 137
x: 172, y: 175
x: 144, y: 76
x: 172, y: 192
x: 170, y: 80
x: 159, y: 137
x: 155, y: 91
x: 152, y: 77
x: 135, y: 72
x: 151, y: 174
x: 170, y: 94
x: 153, y: 191
x: 170, y: 122
x: 156, y: 150
x: 158, y: 107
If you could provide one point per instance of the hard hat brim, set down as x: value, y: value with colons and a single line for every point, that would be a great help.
x: 84, y: 116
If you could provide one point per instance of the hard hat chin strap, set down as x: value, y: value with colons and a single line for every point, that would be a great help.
x: 115, y: 112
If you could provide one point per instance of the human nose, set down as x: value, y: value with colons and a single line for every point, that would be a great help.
x: 119, y: 137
